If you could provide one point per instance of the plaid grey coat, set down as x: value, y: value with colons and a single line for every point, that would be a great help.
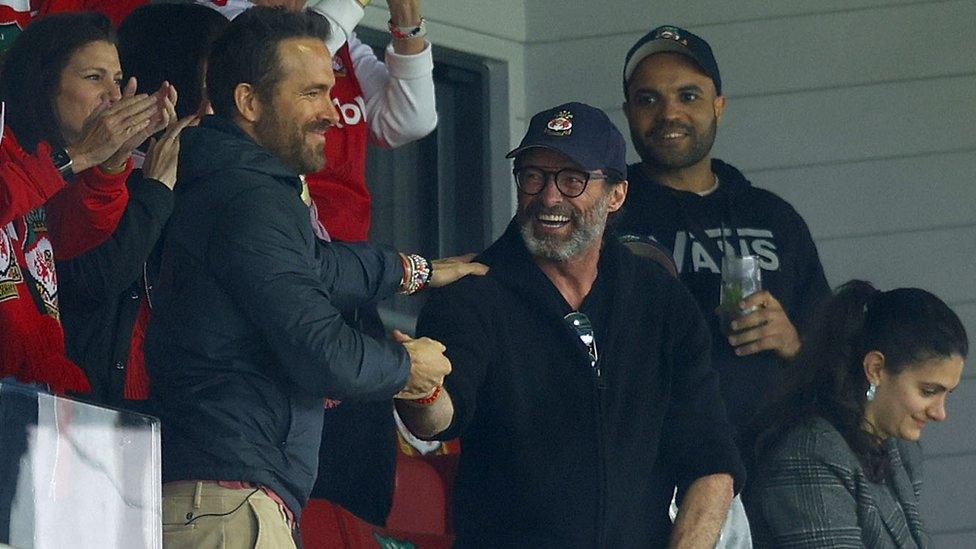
x: 811, y: 491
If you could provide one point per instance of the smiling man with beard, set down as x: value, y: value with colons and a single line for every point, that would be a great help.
x: 575, y: 365
x: 702, y: 208
x: 246, y: 339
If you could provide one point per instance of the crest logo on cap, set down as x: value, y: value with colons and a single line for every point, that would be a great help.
x: 561, y: 124
x: 671, y: 33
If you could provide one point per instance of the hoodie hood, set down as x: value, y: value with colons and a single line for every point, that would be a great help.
x: 219, y: 145
x: 730, y: 177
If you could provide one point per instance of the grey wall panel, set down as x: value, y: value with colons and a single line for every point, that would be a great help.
x: 843, y: 125
x: 503, y: 19
x: 949, y: 493
x: 939, y: 261
x: 965, y: 540
x: 885, y: 121
x: 547, y: 19
x: 967, y: 312
x: 955, y: 435
x: 765, y: 56
x: 918, y: 193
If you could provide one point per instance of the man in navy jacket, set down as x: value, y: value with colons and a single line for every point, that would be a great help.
x: 246, y: 338
x: 581, y: 386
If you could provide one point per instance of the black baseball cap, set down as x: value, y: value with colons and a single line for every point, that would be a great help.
x: 668, y: 38
x: 579, y: 131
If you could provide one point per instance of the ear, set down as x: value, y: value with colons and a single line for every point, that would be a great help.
x: 247, y: 102
x: 626, y: 108
x: 874, y: 363
x: 719, y: 105
x: 618, y: 193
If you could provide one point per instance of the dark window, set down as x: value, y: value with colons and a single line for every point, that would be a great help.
x: 449, y: 193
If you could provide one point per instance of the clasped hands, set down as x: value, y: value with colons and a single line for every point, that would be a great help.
x: 113, y: 130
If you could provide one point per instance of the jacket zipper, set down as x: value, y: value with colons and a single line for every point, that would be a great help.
x: 601, y: 530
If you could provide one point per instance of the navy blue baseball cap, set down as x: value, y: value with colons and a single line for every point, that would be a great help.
x: 581, y: 132
x: 668, y: 38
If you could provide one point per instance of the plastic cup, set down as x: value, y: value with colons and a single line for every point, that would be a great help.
x: 741, y: 277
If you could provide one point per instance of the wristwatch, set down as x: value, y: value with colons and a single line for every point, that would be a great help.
x: 62, y: 162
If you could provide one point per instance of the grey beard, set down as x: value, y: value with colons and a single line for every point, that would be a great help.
x: 589, y: 226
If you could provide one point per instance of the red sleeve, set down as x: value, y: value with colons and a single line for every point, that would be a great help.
x: 26, y: 181
x: 87, y: 212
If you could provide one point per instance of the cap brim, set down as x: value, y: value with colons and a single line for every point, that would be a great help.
x: 660, y: 45
x: 522, y: 149
x: 519, y: 150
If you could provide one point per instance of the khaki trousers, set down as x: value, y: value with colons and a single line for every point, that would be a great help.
x: 205, y: 515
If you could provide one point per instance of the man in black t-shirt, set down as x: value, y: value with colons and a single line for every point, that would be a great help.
x: 702, y: 208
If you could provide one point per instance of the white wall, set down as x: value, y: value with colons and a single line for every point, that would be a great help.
x: 861, y: 113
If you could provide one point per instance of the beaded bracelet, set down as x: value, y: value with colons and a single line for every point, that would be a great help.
x: 429, y: 399
x: 403, y: 33
x: 417, y: 272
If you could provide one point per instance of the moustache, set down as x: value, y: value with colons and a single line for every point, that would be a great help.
x: 536, y: 208
x: 661, y: 129
x: 318, y: 127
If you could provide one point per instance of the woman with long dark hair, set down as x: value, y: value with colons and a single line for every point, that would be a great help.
x: 68, y: 134
x: 836, y: 460
x: 105, y: 317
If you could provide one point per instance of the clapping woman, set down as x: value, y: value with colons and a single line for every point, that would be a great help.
x: 68, y: 135
x: 836, y: 460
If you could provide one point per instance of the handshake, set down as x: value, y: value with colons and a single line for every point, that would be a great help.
x: 428, y: 366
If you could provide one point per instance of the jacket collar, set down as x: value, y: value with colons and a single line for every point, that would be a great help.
x: 512, y: 266
x: 219, y: 144
x: 644, y: 189
x: 902, y: 494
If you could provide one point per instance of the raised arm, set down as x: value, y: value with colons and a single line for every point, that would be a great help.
x: 112, y: 266
x: 27, y: 181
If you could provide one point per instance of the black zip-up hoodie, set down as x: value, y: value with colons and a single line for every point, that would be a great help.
x: 246, y: 336
x: 558, y: 453
x: 756, y: 222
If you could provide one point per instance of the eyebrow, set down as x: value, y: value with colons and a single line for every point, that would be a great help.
x: 315, y: 87
x: 99, y: 69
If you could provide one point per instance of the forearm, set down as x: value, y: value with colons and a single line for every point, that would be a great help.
x: 399, y: 95
x: 426, y: 422
x: 26, y: 181
x: 112, y: 266
x: 702, y: 512
x: 343, y: 16
x: 363, y: 273
x: 86, y: 213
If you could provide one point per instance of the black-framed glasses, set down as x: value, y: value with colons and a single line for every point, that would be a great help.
x: 580, y: 323
x: 569, y: 182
